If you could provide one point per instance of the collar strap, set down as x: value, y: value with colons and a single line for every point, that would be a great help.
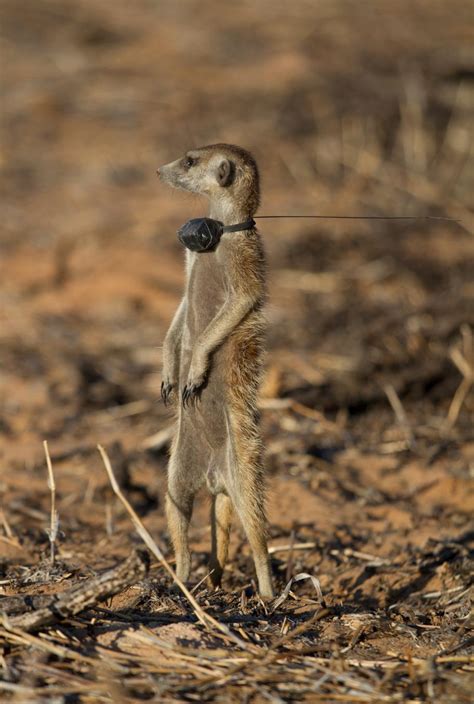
x: 247, y: 225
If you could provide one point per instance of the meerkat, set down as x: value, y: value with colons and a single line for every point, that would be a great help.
x: 212, y: 364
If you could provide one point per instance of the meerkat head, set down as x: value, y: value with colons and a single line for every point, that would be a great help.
x: 226, y: 174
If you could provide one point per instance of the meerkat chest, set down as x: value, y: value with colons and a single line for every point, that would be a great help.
x: 206, y: 289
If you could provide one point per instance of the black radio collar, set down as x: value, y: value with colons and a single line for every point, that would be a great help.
x: 204, y: 234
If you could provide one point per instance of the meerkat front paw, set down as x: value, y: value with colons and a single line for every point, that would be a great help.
x: 191, y: 394
x: 168, y: 384
x: 195, y: 383
x: 166, y: 391
x: 192, y: 391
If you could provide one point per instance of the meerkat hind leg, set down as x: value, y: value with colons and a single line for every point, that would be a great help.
x: 248, y: 500
x: 255, y: 529
x: 178, y: 512
x: 183, y: 484
x: 221, y: 518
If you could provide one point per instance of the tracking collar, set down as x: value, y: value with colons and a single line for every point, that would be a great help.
x: 204, y: 234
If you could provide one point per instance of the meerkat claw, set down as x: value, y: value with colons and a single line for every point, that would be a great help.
x: 196, y: 394
x: 191, y: 395
x: 166, y: 389
x: 185, y: 396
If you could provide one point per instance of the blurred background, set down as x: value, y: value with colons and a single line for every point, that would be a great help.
x: 350, y: 108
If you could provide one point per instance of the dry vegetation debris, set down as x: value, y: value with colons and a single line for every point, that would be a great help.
x: 367, y: 407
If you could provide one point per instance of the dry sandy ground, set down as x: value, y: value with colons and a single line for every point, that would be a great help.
x: 349, y: 108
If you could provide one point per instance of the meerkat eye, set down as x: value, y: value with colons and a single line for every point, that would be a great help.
x: 189, y: 161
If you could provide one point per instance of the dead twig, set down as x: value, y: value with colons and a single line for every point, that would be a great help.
x: 81, y: 596
x: 295, y: 546
x: 373, y: 560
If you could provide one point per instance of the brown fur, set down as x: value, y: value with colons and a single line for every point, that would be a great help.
x: 215, y: 344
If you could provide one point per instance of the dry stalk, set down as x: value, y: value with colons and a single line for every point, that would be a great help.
x: 400, y: 415
x: 17, y: 636
x: 373, y: 559
x: 285, y: 548
x: 5, y: 524
x: 319, y: 417
x: 201, y: 581
x: 109, y: 517
x: 276, y: 404
x: 290, y: 558
x: 206, y: 619
x: 464, y: 361
x: 54, y: 518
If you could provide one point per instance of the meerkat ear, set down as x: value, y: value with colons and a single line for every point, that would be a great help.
x: 225, y: 173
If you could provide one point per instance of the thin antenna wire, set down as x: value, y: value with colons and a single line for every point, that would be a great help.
x: 360, y: 217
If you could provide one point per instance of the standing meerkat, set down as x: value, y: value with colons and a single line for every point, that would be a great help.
x: 212, y: 360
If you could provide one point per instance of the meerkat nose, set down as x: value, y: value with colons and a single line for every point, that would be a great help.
x: 158, y: 172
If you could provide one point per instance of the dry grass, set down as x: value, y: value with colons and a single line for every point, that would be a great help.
x: 351, y: 108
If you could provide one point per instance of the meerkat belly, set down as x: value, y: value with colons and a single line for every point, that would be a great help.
x: 206, y: 295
